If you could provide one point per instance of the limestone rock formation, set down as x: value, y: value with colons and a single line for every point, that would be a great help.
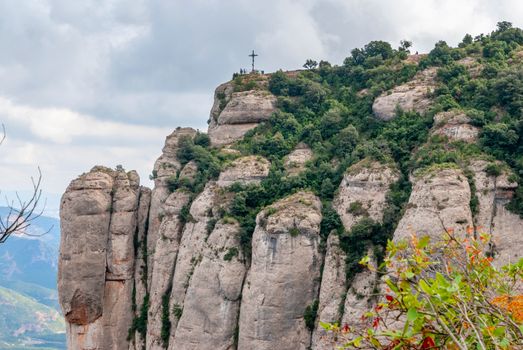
x: 284, y: 276
x: 242, y: 111
x: 456, y: 126
x: 208, y: 319
x: 439, y: 202
x: 504, y: 227
x: 363, y: 190
x: 100, y: 213
x: 295, y: 161
x: 411, y: 96
x: 177, y: 269
x: 166, y: 166
x: 362, y: 193
x: 332, y: 292
x: 244, y: 170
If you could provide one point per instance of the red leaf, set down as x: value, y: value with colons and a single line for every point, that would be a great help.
x: 389, y: 298
x: 428, y: 343
x: 345, y: 328
x: 376, y: 322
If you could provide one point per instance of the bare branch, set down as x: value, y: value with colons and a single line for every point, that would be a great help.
x: 19, y: 217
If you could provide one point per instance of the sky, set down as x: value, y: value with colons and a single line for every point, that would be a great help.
x: 104, y: 82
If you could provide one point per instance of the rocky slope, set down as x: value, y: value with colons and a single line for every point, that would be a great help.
x: 247, y: 255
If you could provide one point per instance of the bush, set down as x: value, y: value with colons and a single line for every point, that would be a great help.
x: 231, y: 253
x: 447, y: 295
x: 310, y: 314
x: 166, y: 323
x: 493, y: 169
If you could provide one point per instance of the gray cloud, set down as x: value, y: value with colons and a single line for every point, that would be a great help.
x: 154, y: 64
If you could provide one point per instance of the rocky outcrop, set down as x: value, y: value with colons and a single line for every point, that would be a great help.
x: 209, y: 316
x: 235, y: 113
x: 455, y: 125
x: 245, y: 170
x: 439, y: 202
x: 411, y: 96
x: 284, y: 275
x: 362, y: 193
x: 99, y: 212
x: 295, y: 161
x: 504, y: 227
x: 194, y: 238
x: 171, y: 269
x: 165, y: 167
x: 332, y: 292
x: 140, y: 264
x: 163, y: 261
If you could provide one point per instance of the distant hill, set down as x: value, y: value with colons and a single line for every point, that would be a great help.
x: 29, y: 312
x: 28, y: 324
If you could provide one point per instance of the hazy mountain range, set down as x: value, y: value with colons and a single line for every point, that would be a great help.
x: 30, y: 316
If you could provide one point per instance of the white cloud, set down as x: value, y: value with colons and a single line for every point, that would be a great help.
x: 63, y: 126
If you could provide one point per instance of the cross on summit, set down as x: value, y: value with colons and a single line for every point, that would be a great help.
x: 253, y: 55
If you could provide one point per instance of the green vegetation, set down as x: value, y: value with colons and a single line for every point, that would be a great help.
x: 177, y: 311
x: 166, y: 322
x: 329, y: 108
x: 310, y: 314
x: 231, y: 253
x: 447, y: 294
x: 140, y: 321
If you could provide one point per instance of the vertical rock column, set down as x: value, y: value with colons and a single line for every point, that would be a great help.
x: 140, y: 266
x: 207, y: 314
x: 164, y: 231
x: 99, y: 213
x: 504, y: 227
x: 284, y: 275
x: 440, y: 201
x: 361, y: 194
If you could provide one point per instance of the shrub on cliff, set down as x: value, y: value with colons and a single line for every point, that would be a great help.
x: 442, y: 295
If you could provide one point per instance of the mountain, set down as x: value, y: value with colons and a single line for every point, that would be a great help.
x: 253, y: 232
x: 28, y: 324
x: 30, y: 315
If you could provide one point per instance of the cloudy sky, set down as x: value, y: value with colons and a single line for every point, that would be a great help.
x: 104, y: 81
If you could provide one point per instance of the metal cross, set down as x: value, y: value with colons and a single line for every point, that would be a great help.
x: 253, y: 55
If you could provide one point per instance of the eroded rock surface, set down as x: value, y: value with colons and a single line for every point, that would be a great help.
x: 165, y: 167
x: 456, y: 126
x: 439, y: 202
x: 99, y: 218
x: 242, y: 111
x: 245, y: 170
x: 296, y: 160
x: 361, y: 194
x: 210, y: 312
x: 411, y: 96
x: 332, y: 292
x: 284, y: 275
x: 504, y: 227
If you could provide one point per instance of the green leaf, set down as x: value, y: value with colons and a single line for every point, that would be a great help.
x: 325, y: 325
x: 425, y: 287
x: 499, y: 331
x: 423, y: 242
x: 412, y: 315
x: 357, y: 341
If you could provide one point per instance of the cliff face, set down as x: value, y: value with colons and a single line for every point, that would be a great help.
x: 171, y: 269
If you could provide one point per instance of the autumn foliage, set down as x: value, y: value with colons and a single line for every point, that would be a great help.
x: 445, y: 294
